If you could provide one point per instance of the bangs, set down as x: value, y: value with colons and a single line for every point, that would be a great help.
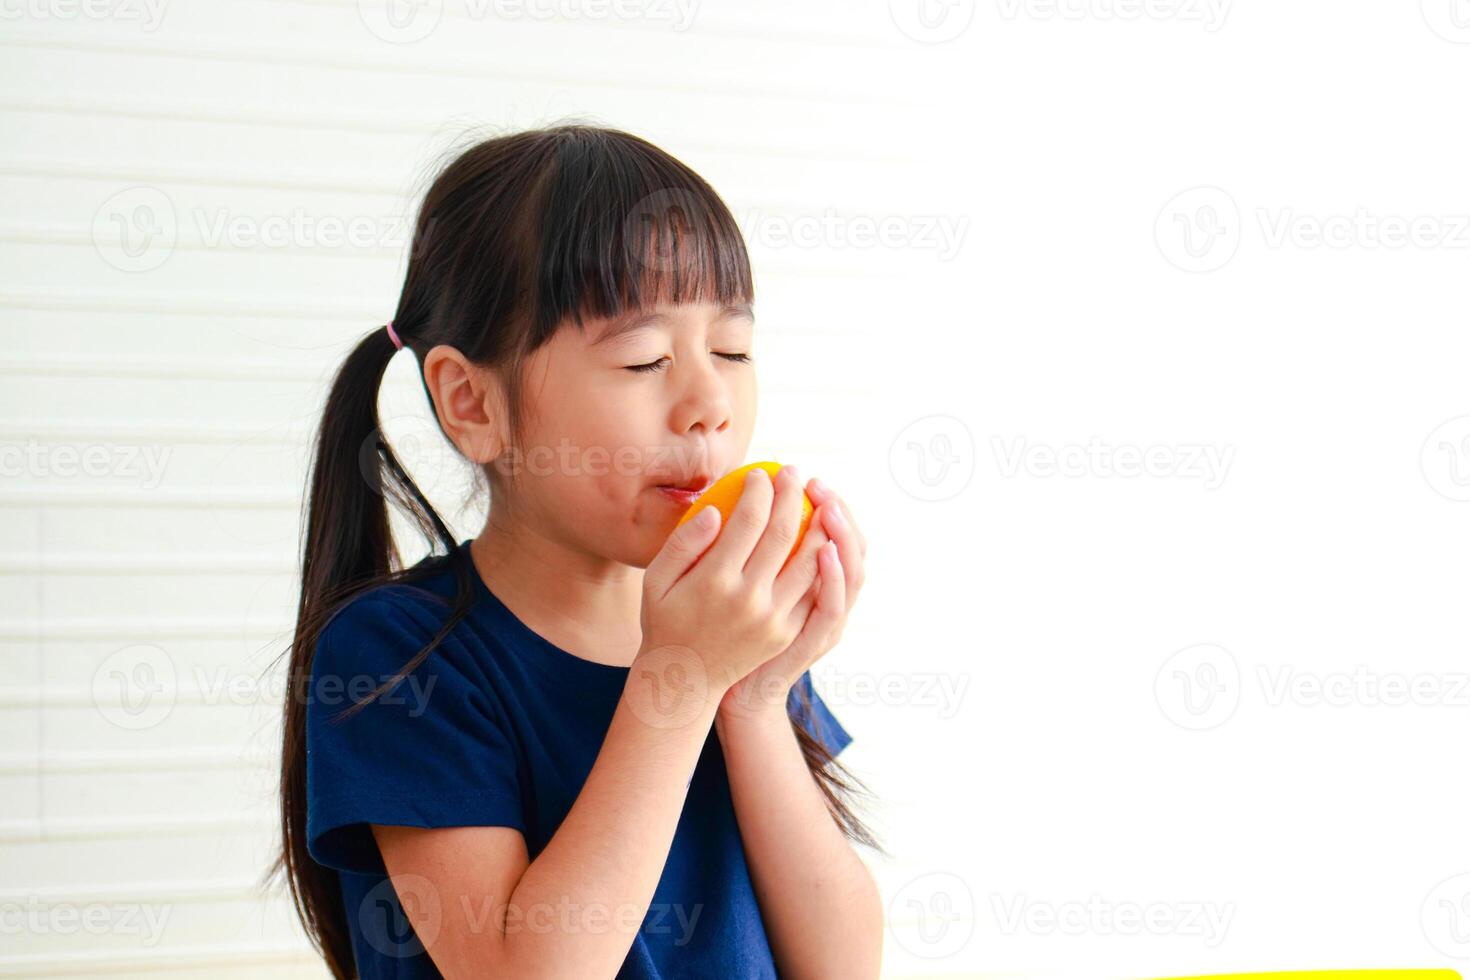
x: 625, y: 227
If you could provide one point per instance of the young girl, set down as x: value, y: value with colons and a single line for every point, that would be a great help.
x: 585, y: 743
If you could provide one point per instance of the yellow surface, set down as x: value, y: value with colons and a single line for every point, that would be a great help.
x: 724, y: 493
x: 1329, y: 975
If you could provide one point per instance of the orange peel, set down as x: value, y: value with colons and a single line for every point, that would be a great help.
x: 725, y: 492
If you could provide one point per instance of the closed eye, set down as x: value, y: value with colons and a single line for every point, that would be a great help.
x: 659, y: 364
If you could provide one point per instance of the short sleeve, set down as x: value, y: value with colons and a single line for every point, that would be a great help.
x: 431, y: 752
x: 818, y: 719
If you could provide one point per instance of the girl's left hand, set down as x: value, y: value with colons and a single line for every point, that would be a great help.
x: 824, y: 608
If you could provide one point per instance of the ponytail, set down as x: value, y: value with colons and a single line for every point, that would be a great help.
x: 347, y: 548
x: 837, y: 783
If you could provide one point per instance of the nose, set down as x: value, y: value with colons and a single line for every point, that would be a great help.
x: 703, y: 400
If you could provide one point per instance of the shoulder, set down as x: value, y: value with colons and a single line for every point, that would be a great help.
x: 426, y: 596
x: 385, y: 604
x: 381, y: 667
x: 385, y: 625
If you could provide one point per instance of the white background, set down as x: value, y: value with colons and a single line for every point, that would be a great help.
x: 1228, y: 239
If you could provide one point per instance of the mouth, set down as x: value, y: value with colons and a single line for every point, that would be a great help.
x: 685, y: 493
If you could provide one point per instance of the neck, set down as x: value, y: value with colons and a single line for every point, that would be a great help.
x: 583, y: 603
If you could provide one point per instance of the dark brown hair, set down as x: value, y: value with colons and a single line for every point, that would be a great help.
x: 517, y: 234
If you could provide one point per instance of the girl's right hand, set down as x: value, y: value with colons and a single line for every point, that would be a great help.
x: 724, y: 611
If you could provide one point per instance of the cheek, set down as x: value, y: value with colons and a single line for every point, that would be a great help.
x: 744, y: 397
x: 595, y: 443
x: 619, y: 446
x: 599, y: 464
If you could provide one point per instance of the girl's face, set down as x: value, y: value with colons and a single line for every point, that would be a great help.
x: 664, y: 396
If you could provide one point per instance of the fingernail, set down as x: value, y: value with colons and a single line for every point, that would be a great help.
x: 818, y: 485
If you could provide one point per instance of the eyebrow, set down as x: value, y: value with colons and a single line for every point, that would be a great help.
x: 636, y: 321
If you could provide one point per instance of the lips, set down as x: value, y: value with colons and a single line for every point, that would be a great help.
x: 693, y: 486
x: 684, y: 493
x: 696, y: 483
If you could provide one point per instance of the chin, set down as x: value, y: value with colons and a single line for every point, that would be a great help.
x: 651, y: 542
x: 641, y: 556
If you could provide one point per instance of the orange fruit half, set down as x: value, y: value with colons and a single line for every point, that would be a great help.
x: 725, y: 492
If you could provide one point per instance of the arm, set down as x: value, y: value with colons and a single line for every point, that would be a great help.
x: 575, y: 910
x: 822, y: 909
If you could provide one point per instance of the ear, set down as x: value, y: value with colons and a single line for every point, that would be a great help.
x: 469, y: 401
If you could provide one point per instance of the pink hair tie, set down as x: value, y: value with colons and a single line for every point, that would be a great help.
x: 394, y: 337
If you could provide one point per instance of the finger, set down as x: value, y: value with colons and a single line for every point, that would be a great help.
x: 822, y: 493
x: 832, y: 599
x: 775, y: 543
x: 848, y: 547
x: 747, y: 520
x: 857, y: 531
x: 831, y: 605
x: 799, y: 573
x: 681, y: 551
x: 803, y: 608
x: 800, y: 649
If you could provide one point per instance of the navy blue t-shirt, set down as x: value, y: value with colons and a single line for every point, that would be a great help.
x: 500, y: 727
